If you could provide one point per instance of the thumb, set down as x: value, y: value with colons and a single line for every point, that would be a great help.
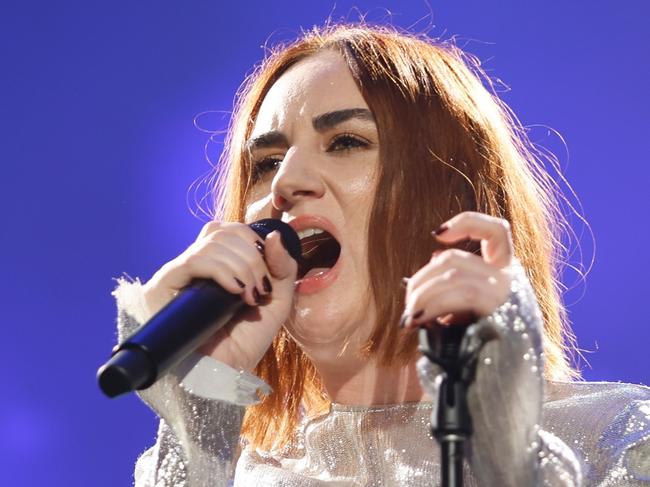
x: 278, y: 260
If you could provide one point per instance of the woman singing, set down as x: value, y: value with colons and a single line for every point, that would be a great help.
x: 419, y: 201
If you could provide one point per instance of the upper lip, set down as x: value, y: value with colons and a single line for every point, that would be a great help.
x: 313, y: 221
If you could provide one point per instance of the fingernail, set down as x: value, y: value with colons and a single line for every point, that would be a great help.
x: 418, y: 314
x: 239, y: 283
x: 440, y: 230
x: 260, y: 246
x: 267, y: 284
x: 256, y: 295
x: 402, y: 321
x: 405, y: 281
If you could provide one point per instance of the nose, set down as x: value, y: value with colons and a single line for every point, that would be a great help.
x: 297, y: 179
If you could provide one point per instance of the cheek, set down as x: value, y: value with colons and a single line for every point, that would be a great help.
x: 363, y: 186
x: 258, y: 208
x: 360, y: 191
x: 360, y: 206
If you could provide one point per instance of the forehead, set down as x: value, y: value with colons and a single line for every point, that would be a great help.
x: 318, y: 84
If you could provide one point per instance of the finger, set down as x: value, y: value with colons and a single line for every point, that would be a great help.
x: 241, y: 267
x: 494, y: 234
x: 245, y: 230
x: 453, y: 292
x: 208, y: 228
x: 280, y: 263
x: 226, y: 267
x: 241, y: 229
x: 250, y: 252
x: 448, y: 260
x: 199, y: 266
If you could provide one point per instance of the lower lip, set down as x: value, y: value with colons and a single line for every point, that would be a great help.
x: 318, y: 282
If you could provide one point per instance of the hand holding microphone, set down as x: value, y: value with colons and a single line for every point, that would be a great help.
x: 200, y: 300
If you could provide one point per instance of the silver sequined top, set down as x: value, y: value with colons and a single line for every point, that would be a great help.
x: 526, y: 431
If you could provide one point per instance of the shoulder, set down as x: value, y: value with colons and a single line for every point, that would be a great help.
x: 594, y: 406
x: 599, y: 394
x: 608, y: 423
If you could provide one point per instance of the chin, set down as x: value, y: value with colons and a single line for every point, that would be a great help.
x: 324, y: 329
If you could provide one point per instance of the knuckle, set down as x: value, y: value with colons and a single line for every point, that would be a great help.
x: 434, y: 255
x: 409, y: 287
x: 450, y: 256
x: 412, y: 295
x: 233, y: 225
x: 217, y: 234
x: 209, y: 227
x: 413, y: 302
x: 194, y: 261
x: 207, y: 247
x: 465, y: 217
x: 461, y: 255
x: 238, y: 227
x: 455, y: 275
x: 446, y: 257
x: 470, y: 293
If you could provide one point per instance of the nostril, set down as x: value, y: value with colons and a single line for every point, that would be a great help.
x: 280, y: 203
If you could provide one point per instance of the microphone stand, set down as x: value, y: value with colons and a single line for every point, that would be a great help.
x: 451, y: 423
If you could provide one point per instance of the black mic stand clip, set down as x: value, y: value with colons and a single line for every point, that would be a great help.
x: 455, y: 349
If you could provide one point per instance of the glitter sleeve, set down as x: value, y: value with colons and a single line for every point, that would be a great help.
x: 527, y: 431
x: 201, y: 404
x: 508, y: 447
x: 607, y: 425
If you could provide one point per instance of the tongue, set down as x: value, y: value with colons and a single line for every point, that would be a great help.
x: 316, y: 270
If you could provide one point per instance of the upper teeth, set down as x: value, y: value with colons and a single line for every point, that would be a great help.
x: 308, y: 232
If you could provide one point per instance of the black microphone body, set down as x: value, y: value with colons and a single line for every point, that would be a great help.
x: 180, y: 327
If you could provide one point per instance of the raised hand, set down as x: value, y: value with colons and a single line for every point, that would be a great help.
x: 456, y: 283
x: 233, y: 255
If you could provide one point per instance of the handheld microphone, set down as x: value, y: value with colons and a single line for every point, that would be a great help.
x: 178, y: 329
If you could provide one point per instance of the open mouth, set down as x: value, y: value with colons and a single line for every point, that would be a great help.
x: 319, y: 252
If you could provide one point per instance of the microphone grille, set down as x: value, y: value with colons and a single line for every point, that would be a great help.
x: 289, y: 236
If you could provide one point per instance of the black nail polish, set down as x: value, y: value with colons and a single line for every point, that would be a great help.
x: 239, y: 283
x: 256, y: 295
x: 418, y: 314
x: 259, y: 246
x: 267, y: 284
x: 440, y: 230
x: 402, y: 321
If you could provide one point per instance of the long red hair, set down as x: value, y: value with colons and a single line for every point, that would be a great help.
x: 454, y: 146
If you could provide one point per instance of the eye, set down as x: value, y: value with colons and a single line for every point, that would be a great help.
x: 345, y: 142
x: 265, y: 165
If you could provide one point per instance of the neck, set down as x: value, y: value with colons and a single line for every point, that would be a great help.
x: 367, y: 383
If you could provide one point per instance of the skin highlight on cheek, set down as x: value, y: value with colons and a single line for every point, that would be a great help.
x: 259, y: 209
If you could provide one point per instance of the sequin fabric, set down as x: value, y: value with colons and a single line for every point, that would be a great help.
x: 527, y: 431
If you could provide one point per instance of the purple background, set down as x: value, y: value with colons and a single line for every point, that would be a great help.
x: 98, y: 149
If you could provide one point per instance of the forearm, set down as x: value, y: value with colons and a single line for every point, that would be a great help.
x: 201, y: 404
x: 507, y: 446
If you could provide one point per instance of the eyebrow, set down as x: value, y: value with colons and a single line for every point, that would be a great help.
x: 269, y: 139
x: 329, y: 120
x: 321, y: 123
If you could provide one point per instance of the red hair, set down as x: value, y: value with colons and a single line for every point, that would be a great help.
x: 456, y: 146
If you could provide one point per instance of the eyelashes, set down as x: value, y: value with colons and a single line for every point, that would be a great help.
x: 346, y: 142
x: 339, y: 144
x: 265, y: 165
